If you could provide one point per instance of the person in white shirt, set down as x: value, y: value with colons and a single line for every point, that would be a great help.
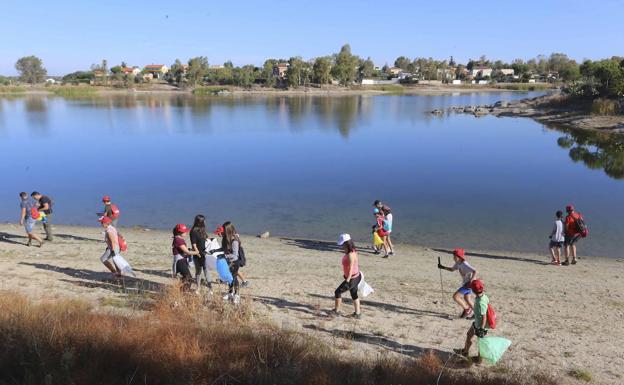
x: 556, y: 239
x: 463, y: 295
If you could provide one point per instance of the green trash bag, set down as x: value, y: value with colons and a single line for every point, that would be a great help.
x: 492, y: 349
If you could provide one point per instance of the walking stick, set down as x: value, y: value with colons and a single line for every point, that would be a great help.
x: 441, y: 286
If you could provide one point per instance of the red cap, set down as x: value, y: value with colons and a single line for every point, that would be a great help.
x: 459, y: 253
x: 181, y: 228
x: 106, y: 198
x: 477, y: 286
x: 219, y: 230
x: 105, y: 220
x: 569, y: 208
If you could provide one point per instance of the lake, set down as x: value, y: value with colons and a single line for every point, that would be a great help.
x: 310, y: 167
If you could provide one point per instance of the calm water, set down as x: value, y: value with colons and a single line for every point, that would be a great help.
x: 310, y: 167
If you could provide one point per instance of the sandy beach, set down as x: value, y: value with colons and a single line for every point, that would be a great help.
x: 559, y: 318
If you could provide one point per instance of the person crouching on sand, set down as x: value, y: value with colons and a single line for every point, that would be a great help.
x: 181, y: 254
x: 479, y: 326
x: 468, y: 274
x: 351, y: 274
x: 112, y: 246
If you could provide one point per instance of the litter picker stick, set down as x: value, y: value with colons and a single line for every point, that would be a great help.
x: 441, y: 286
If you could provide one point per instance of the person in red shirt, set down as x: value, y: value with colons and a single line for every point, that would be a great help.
x: 572, y: 235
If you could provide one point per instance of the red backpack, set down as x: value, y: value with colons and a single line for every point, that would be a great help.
x: 491, y: 317
x: 115, y: 211
x: 123, y: 246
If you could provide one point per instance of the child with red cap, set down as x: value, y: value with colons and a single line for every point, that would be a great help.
x: 479, y: 326
x: 468, y: 274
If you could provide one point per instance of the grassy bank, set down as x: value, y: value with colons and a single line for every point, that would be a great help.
x: 209, y: 90
x: 182, y: 340
x: 12, y: 90
x: 74, y: 92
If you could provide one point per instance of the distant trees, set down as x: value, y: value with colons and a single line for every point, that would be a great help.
x: 197, y: 70
x: 346, y: 66
x: 244, y: 76
x: 176, y: 72
x: 402, y: 62
x: 604, y: 78
x: 366, y: 68
x: 299, y: 72
x: 270, y: 80
x: 31, y: 69
x: 78, y: 77
x: 321, y: 70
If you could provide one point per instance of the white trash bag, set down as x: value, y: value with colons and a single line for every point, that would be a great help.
x: 123, y: 265
x: 364, y: 288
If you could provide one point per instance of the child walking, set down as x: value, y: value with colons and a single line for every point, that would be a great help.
x: 377, y: 241
x: 556, y: 239
x: 463, y: 295
x: 480, y: 325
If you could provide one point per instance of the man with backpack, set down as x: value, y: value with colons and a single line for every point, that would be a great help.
x: 45, y: 206
x: 28, y: 217
x: 575, y: 229
x: 110, y: 210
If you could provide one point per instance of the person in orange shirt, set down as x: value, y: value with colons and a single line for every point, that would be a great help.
x: 572, y: 235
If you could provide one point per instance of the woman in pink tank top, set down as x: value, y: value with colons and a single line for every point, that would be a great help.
x: 351, y: 275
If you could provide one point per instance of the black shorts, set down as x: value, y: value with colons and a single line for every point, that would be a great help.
x: 571, y: 239
x: 351, y: 287
x: 556, y: 245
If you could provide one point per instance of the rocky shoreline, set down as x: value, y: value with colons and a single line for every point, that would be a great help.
x: 550, y: 110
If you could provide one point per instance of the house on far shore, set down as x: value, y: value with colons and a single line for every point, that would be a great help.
x: 130, y: 70
x: 394, y: 71
x: 157, y: 71
x: 280, y: 70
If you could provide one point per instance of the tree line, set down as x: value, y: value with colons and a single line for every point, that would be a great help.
x: 602, y: 78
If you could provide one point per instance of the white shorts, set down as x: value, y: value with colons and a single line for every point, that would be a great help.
x: 106, y: 256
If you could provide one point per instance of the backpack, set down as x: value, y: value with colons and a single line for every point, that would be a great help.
x: 34, y: 213
x: 242, y: 261
x: 581, y: 227
x: 123, y: 246
x: 491, y: 317
x: 115, y: 211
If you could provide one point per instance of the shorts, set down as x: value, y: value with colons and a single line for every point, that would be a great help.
x: 554, y: 244
x: 571, y: 239
x: 106, y: 256
x: 29, y: 225
x: 464, y: 290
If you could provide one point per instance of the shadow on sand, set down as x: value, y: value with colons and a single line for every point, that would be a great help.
x: 102, y: 279
x: 379, y: 341
x: 390, y: 307
x: 11, y: 238
x: 497, y: 257
x: 288, y: 305
x: 320, y: 245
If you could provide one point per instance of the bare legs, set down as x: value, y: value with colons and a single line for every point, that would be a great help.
x: 356, y: 305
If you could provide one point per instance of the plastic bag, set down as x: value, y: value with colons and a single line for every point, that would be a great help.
x: 123, y: 265
x: 224, y: 271
x: 492, y: 349
x: 364, y: 288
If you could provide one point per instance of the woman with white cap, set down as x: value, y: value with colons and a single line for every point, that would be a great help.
x: 351, y: 274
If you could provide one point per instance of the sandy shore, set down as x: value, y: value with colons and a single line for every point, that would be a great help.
x: 558, y: 318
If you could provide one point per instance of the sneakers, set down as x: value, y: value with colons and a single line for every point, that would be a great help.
x: 236, y: 299
x: 391, y: 253
x: 574, y: 261
x: 356, y: 315
x: 385, y: 256
x: 555, y: 263
x: 466, y: 313
x: 565, y: 263
x: 245, y: 284
x: 227, y: 297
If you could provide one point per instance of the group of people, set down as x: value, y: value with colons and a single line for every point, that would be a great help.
x: 382, y: 229
x: 204, y: 246
x: 36, y: 208
x: 565, y: 234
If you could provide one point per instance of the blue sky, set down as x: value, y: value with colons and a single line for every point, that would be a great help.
x: 71, y: 35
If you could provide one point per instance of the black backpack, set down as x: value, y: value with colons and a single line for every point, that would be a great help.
x: 242, y: 261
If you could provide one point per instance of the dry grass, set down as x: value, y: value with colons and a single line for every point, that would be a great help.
x: 184, y: 340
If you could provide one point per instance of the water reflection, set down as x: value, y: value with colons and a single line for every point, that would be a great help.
x: 597, y: 150
x: 37, y: 115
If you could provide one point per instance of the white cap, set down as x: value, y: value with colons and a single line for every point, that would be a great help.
x: 343, y: 238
